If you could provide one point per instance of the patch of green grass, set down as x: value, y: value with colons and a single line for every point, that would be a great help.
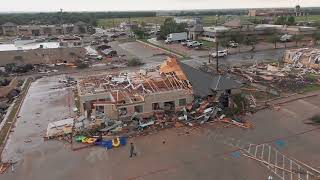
x: 208, y: 44
x: 312, y: 76
x: 311, y: 87
x: 170, y: 50
x: 308, y: 18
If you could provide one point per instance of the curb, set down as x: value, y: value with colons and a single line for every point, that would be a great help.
x: 25, y: 91
x: 154, y: 46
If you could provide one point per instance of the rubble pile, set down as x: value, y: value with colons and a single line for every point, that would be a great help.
x: 303, y: 57
x: 128, y: 104
x: 283, y: 78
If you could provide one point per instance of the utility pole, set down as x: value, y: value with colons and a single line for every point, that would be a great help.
x: 217, y: 55
x: 61, y: 16
x: 62, y: 30
x: 130, y: 26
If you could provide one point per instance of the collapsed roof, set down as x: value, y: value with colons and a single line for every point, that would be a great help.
x: 203, y: 84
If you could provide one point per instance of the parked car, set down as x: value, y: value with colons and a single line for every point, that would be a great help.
x: 184, y: 43
x: 103, y: 47
x: 109, y: 52
x: 220, y: 53
x: 194, y: 44
x: 233, y: 44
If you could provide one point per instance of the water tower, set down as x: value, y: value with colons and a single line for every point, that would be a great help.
x: 297, y: 9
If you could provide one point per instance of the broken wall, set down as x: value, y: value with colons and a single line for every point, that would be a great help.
x: 167, y: 96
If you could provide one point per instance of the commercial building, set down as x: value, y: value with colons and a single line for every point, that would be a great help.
x: 245, y: 28
x: 11, y: 29
x: 170, y: 88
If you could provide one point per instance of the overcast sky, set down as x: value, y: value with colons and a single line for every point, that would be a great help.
x: 123, y: 5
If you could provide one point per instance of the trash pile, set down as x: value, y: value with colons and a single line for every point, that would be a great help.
x: 4, y: 167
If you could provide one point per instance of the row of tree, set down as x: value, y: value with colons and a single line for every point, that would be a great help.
x: 170, y: 26
x: 285, y: 20
x: 252, y: 40
x: 68, y: 17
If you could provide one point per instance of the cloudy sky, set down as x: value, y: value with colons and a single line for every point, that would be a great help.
x: 123, y: 5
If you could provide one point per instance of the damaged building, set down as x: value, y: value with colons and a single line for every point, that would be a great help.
x: 303, y: 57
x: 170, y: 88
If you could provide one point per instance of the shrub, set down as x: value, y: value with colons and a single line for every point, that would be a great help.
x: 135, y: 62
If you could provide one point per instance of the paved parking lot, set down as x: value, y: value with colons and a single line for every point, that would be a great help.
x: 46, y: 101
x: 147, y: 54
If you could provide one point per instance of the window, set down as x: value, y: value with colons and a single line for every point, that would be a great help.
x: 155, y: 106
x: 182, y: 102
x: 169, y: 106
x: 100, y: 109
x: 123, y: 111
x: 138, y: 109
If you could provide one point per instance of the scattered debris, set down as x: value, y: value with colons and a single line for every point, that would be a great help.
x: 4, y: 167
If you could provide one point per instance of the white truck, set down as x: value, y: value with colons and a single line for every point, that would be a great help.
x: 174, y: 37
x: 286, y: 38
x: 222, y: 53
x: 194, y: 44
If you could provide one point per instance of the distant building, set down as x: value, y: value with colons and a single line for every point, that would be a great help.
x: 189, y: 21
x: 70, y: 41
x: 129, y: 26
x: 11, y: 29
x: 276, y: 12
x: 245, y: 28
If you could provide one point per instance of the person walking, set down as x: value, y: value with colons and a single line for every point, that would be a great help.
x: 132, y: 151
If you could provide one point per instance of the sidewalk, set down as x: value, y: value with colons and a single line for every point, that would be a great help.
x: 287, y: 99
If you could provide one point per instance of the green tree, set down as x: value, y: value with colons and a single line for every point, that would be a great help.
x: 143, y: 24
x: 10, y: 67
x: 170, y: 26
x: 297, y: 38
x: 316, y: 36
x: 291, y: 20
x: 134, y: 62
x: 274, y: 38
x: 281, y: 20
x: 252, y: 41
x: 139, y: 32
